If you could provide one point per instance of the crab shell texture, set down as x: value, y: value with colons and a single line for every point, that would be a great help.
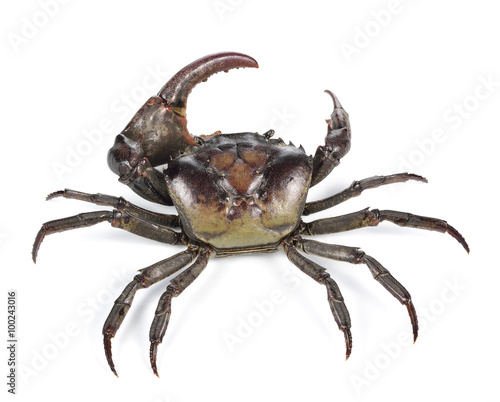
x: 240, y: 192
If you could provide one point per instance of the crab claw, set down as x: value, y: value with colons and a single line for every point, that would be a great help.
x: 158, y: 131
x: 339, y: 118
x: 337, y: 142
x: 176, y: 91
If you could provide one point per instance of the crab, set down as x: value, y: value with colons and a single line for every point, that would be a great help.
x: 234, y: 194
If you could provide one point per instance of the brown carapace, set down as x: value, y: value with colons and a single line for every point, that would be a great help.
x: 233, y: 193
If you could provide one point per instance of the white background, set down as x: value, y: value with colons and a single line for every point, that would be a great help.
x: 402, y: 69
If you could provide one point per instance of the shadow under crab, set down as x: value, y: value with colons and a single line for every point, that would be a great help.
x: 234, y: 193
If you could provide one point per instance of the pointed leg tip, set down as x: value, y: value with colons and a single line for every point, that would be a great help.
x: 107, y: 352
x: 55, y: 194
x: 113, y: 369
x: 152, y: 357
x: 413, y: 318
x: 458, y: 237
x: 348, y: 342
x: 462, y: 241
x: 37, y: 243
x: 34, y: 251
x: 419, y: 178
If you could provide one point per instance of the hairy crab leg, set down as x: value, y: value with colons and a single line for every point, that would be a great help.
x: 121, y: 204
x: 335, y: 299
x: 372, y: 217
x: 354, y: 255
x: 356, y: 188
x: 144, y: 279
x: 122, y: 220
x: 163, y: 311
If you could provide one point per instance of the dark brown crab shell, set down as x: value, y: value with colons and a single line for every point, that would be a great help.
x: 237, y: 193
x: 240, y: 192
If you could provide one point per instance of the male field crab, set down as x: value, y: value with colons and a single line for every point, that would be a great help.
x: 234, y: 194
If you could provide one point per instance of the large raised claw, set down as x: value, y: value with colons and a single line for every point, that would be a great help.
x: 158, y: 131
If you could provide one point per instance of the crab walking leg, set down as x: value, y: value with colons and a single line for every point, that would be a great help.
x: 121, y: 204
x: 163, y: 311
x: 372, y: 217
x: 319, y: 274
x: 123, y: 220
x: 354, y: 255
x: 356, y: 188
x: 144, y: 279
